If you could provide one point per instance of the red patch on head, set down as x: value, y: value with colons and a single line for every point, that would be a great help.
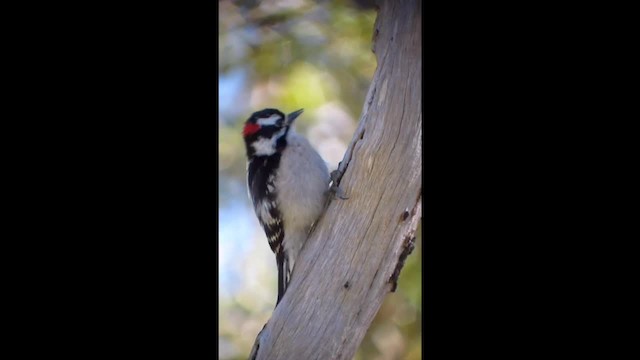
x: 250, y: 129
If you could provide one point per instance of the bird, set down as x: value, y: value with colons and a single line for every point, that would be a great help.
x: 288, y: 183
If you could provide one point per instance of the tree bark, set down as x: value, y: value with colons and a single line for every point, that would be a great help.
x: 353, y: 257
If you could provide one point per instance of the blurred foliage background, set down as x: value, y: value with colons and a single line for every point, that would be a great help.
x: 293, y: 54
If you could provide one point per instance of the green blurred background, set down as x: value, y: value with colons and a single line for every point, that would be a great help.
x: 289, y: 55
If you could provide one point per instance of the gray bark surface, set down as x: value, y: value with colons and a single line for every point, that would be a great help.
x: 350, y: 260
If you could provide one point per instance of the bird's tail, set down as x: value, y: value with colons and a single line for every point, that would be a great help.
x: 284, y: 273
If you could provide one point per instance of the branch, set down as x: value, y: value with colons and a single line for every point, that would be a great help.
x: 355, y: 254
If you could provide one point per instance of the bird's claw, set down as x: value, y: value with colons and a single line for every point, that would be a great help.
x: 335, y: 189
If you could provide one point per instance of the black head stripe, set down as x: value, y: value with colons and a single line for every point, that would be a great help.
x: 265, y: 113
x: 268, y: 131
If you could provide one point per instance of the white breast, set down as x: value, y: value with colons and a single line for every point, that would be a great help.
x: 303, y: 182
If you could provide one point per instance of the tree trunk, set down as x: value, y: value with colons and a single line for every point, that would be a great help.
x: 353, y: 257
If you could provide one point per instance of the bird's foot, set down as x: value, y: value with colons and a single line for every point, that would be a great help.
x: 336, y: 175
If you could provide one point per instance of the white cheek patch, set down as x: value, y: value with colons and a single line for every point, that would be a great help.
x: 264, y: 147
x: 267, y: 146
x: 271, y: 120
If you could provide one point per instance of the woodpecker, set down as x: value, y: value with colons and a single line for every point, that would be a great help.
x: 288, y: 183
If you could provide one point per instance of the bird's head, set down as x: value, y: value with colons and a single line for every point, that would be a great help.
x: 265, y: 132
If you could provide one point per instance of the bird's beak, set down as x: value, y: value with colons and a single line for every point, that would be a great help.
x: 293, y: 116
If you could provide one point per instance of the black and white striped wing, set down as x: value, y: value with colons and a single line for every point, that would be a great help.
x: 260, y: 179
x: 261, y: 176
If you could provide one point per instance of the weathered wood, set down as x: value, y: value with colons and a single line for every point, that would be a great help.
x: 357, y: 249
